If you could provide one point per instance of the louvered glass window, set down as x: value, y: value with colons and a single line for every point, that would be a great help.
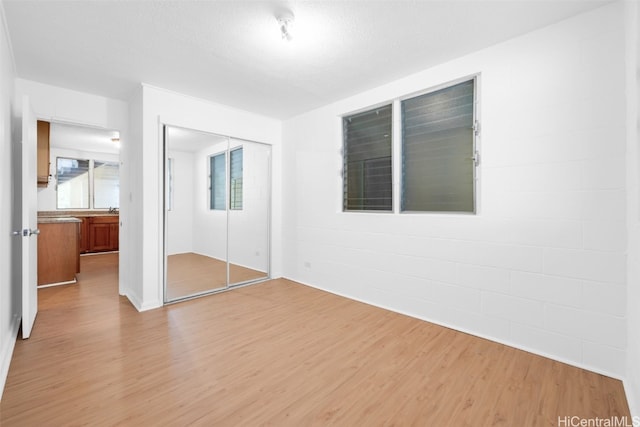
x: 438, y: 150
x: 367, y: 184
x: 438, y: 158
x: 217, y: 175
x: 72, y: 183
x: 235, y: 179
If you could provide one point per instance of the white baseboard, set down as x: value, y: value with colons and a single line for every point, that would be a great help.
x: 139, y: 305
x: 7, y: 353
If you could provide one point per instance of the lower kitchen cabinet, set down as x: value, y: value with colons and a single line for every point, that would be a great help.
x: 103, y: 233
x: 58, y: 254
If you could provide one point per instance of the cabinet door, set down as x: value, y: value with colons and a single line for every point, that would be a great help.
x: 58, y: 257
x: 99, y: 237
x: 43, y: 153
x: 103, y: 233
x: 84, y: 234
x: 114, y: 236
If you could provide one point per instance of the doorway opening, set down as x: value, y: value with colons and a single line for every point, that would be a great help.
x: 81, y: 182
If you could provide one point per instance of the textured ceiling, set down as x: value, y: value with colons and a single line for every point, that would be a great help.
x: 231, y: 52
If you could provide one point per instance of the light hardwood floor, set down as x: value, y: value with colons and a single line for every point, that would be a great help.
x: 190, y: 273
x: 276, y: 353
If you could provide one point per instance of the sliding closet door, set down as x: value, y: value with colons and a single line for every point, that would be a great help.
x: 196, y: 166
x: 249, y: 208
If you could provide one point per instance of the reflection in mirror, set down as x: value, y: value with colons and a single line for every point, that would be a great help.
x: 217, y: 204
x: 249, y: 196
x: 196, y: 234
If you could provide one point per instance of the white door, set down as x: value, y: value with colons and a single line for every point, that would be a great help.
x: 29, y: 218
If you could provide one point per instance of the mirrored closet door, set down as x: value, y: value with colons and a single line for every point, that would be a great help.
x: 248, y: 214
x: 216, y: 206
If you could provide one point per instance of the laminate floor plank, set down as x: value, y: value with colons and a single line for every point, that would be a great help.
x: 276, y: 353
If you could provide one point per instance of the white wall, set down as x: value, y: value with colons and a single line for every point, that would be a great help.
x: 10, y: 301
x: 542, y: 265
x: 632, y: 380
x: 161, y: 106
x: 131, y: 190
x: 47, y: 195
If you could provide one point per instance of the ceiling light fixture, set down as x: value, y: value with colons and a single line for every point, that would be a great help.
x: 285, y: 22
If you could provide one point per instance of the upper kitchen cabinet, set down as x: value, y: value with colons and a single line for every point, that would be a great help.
x: 43, y: 153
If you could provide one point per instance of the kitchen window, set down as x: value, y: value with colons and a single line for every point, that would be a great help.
x: 87, y: 184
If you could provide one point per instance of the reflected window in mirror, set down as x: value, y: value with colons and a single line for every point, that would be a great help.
x: 217, y: 175
x: 235, y: 179
x: 169, y: 183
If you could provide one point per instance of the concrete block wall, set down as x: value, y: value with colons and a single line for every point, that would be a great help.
x: 542, y: 266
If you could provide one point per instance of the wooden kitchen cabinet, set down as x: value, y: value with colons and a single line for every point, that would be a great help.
x: 84, y: 234
x: 103, y: 233
x: 58, y: 254
x: 43, y: 153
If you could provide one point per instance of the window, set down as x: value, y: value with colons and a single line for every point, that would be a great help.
x: 87, y: 184
x: 73, y: 183
x: 367, y: 160
x: 438, y: 150
x: 106, y: 185
x: 217, y: 175
x: 235, y: 178
x: 437, y: 145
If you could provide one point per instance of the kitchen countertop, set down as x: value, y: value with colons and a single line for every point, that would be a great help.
x: 57, y: 220
x: 75, y: 213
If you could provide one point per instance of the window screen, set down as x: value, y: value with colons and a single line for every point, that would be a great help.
x: 217, y: 169
x: 367, y: 180
x: 438, y: 150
